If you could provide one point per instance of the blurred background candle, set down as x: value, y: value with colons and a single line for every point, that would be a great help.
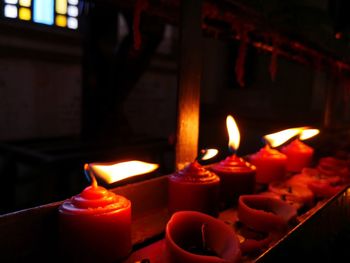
x: 270, y: 163
x: 299, y: 155
x: 194, y: 188
x: 236, y: 174
x: 95, y: 225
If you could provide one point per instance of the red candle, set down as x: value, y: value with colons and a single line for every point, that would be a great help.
x: 237, y: 176
x: 294, y: 193
x: 299, y: 154
x: 264, y: 213
x: 270, y: 165
x: 193, y: 237
x: 194, y: 188
x: 95, y: 226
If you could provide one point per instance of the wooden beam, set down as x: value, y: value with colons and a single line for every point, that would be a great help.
x: 190, y: 69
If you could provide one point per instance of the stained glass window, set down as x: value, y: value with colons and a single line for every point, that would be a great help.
x: 61, y: 13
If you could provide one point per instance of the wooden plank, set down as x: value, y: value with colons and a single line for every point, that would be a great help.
x: 189, y: 82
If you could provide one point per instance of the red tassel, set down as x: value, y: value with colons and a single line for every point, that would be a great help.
x: 140, y: 6
x: 241, y: 57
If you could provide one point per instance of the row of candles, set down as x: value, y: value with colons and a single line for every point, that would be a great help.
x: 95, y: 225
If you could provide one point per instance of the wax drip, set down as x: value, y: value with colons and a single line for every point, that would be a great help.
x: 140, y: 6
x: 90, y: 175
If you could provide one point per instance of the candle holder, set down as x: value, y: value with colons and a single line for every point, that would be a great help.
x: 193, y: 237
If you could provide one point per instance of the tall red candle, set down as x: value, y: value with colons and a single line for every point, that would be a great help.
x: 95, y: 226
x: 194, y: 188
x: 237, y: 175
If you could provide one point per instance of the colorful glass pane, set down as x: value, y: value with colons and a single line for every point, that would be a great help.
x: 43, y: 11
x: 24, y: 13
x: 10, y: 11
x: 61, y: 20
x: 25, y: 3
x: 61, y: 7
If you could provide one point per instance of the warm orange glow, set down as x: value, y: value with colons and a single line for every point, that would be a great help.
x: 233, y: 133
x: 278, y: 138
x: 308, y: 133
x: 116, y: 172
x: 209, y: 153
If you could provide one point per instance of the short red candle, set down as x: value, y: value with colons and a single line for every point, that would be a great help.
x: 237, y: 177
x: 265, y: 213
x: 270, y: 165
x: 194, y: 188
x: 299, y: 155
x: 95, y: 226
x: 190, y: 230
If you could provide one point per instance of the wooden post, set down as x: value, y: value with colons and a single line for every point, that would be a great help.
x: 190, y: 69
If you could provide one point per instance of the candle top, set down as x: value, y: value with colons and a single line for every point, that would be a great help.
x: 194, y: 172
x: 94, y: 200
x: 297, y: 146
x: 268, y: 153
x: 234, y: 164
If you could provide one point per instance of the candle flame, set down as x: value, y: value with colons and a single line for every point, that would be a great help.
x: 209, y: 153
x: 308, y: 133
x: 118, y: 171
x: 278, y: 138
x: 233, y: 133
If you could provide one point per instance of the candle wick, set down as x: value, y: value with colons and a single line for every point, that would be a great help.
x: 89, y: 174
x: 203, y: 229
x: 200, y: 155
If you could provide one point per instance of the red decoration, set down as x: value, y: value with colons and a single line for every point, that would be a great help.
x: 140, y: 6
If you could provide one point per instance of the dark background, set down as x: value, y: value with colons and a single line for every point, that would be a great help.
x: 71, y: 97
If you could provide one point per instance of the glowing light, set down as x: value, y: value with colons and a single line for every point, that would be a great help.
x: 10, y: 11
x: 25, y: 14
x: 25, y: 3
x: 11, y: 1
x: 116, y: 172
x: 233, y: 133
x: 73, y: 2
x: 278, y: 138
x: 73, y: 11
x: 308, y: 133
x: 43, y: 11
x: 209, y: 153
x: 61, y: 7
x: 72, y: 23
x: 61, y: 21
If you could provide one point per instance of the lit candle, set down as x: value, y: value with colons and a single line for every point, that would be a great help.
x: 270, y: 163
x: 265, y: 213
x: 95, y: 225
x: 299, y: 155
x: 193, y: 237
x: 236, y: 174
x: 194, y: 188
